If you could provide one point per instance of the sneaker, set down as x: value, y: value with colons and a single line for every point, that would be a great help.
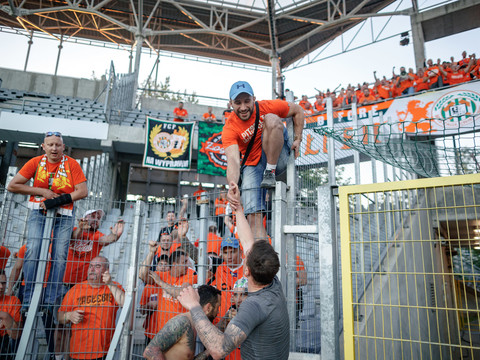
x: 268, y: 180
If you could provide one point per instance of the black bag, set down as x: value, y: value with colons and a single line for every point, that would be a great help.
x: 250, y: 144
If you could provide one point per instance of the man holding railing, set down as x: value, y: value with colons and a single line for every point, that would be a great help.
x: 58, y: 181
x: 265, y: 151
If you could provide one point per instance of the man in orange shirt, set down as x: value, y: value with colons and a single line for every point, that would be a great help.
x: 10, y: 321
x: 209, y: 116
x: 457, y: 75
x: 303, y: 103
x: 368, y: 97
x: 58, y: 181
x: 271, y: 147
x: 4, y: 255
x: 229, y: 271
x: 91, y: 307
x: 433, y: 74
x: 86, y: 244
x: 170, y: 283
x: 180, y: 113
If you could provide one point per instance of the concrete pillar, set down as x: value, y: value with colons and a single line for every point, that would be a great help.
x: 274, y: 62
x: 418, y: 41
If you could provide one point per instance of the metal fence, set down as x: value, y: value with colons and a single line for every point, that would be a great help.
x: 123, y: 330
x: 419, y: 300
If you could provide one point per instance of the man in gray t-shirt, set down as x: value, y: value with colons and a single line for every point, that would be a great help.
x: 263, y: 317
x: 261, y: 326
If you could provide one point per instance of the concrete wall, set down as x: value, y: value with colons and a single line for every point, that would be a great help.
x: 53, y: 85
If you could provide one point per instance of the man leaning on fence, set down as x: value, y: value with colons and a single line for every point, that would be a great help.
x: 58, y: 181
x: 90, y: 307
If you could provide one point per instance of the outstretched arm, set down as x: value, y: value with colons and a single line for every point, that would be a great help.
x: 145, y: 267
x: 245, y: 233
x: 115, y: 233
x: 170, y: 334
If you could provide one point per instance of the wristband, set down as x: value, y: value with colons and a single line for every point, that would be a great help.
x: 58, y: 201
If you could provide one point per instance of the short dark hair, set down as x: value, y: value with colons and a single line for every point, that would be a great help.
x: 171, y: 211
x: 263, y: 262
x: 164, y: 257
x: 208, y: 295
x: 175, y: 256
x: 212, y: 228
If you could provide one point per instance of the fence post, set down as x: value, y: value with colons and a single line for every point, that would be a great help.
x: 328, y: 264
x: 126, y: 321
x: 28, y: 335
x: 202, y: 245
x: 279, y: 218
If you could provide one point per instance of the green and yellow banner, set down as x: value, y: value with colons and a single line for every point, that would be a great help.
x: 168, y: 145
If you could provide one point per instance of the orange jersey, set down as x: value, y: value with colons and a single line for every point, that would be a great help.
x: 4, y: 255
x: 29, y: 169
x: 457, y: 78
x: 198, y: 194
x: 11, y: 305
x: 91, y: 338
x: 80, y: 253
x: 383, y: 91
x: 213, y: 243
x: 169, y: 307
x: 239, y: 132
x: 224, y: 281
x: 208, y: 115
x: 179, y: 112
x: 303, y: 104
x: 220, y: 210
x: 150, y: 293
x: 319, y: 106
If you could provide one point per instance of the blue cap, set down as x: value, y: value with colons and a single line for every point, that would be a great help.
x: 230, y: 242
x: 240, y: 87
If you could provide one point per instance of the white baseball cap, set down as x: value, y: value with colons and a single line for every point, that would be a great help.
x: 88, y: 212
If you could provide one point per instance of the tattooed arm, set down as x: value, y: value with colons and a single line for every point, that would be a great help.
x: 217, y: 343
x: 170, y: 334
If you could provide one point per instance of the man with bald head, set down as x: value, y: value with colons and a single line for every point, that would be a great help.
x: 90, y: 307
x: 58, y: 181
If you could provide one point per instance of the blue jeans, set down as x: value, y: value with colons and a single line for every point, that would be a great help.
x: 62, y: 232
x: 253, y: 196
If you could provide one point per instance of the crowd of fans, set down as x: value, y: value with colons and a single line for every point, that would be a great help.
x: 431, y: 76
x: 81, y: 322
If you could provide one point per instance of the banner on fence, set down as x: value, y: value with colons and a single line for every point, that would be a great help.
x: 211, y: 155
x: 168, y: 145
x: 453, y: 110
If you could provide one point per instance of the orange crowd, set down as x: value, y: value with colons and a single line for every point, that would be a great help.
x: 431, y: 76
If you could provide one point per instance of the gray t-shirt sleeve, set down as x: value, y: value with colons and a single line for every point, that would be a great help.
x: 250, y: 314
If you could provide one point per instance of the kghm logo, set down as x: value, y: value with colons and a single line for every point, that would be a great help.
x: 456, y: 108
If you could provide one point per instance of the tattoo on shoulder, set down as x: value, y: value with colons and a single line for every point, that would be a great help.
x: 234, y: 337
x: 171, y: 333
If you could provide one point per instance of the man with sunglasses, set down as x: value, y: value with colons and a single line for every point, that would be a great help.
x: 58, y: 181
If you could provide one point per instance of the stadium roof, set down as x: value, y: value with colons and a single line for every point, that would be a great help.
x: 247, y: 31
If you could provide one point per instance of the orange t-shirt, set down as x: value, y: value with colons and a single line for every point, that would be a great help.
x: 21, y: 255
x: 457, y: 78
x: 369, y: 98
x: 4, y: 255
x: 180, y: 112
x: 28, y: 171
x: 224, y: 281
x: 239, y: 132
x: 234, y: 355
x: 198, y: 194
x: 80, y: 253
x: 383, y: 91
x: 220, y: 210
x: 169, y: 307
x: 208, y: 115
x: 150, y: 293
x: 12, y: 306
x: 433, y: 70
x: 319, y: 107
x: 91, y: 338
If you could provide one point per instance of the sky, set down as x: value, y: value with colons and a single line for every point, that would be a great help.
x: 215, y: 80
